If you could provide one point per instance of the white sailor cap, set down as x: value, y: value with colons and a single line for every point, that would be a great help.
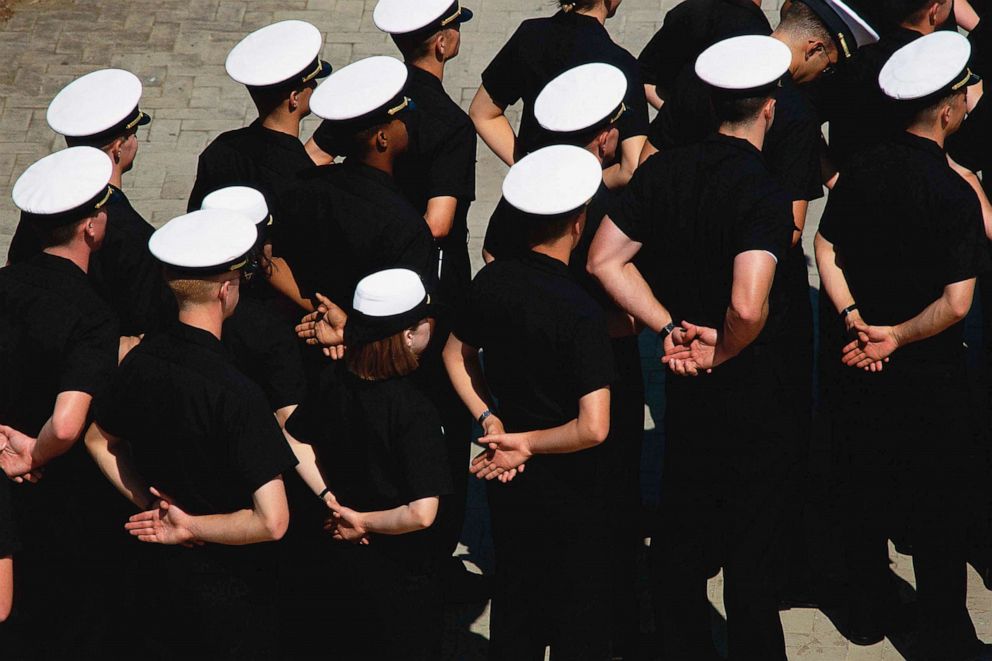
x: 386, y: 303
x: 205, y: 242
x: 553, y: 180
x: 930, y: 66
x: 427, y: 16
x: 748, y: 65
x: 284, y: 53
x: 64, y: 187
x: 243, y: 199
x: 97, y: 107
x: 849, y: 31
x: 363, y: 94
x: 587, y: 97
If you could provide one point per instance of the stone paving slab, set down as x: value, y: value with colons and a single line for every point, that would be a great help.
x: 178, y: 47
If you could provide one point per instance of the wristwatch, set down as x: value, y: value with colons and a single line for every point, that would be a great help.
x: 667, y: 330
x: 848, y: 310
x: 485, y: 414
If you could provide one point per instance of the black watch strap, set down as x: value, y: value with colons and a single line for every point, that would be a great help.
x: 485, y: 414
x: 667, y: 330
x: 848, y: 310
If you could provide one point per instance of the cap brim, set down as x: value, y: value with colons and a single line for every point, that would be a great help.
x: 466, y: 15
x: 974, y: 79
x: 145, y: 119
x: 325, y: 69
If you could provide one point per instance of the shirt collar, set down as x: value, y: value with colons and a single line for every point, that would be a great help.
x: 577, y: 18
x: 59, y: 264
x: 738, y: 143
x: 279, y: 138
x: 199, y: 337
x: 369, y: 172
x: 418, y: 75
x: 924, y: 144
x: 543, y: 262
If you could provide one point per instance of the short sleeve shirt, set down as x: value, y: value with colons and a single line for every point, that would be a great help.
x: 60, y: 337
x: 543, y: 48
x: 380, y: 446
x: 905, y: 226
x: 198, y: 429
x: 123, y: 271
x: 545, y: 346
x: 354, y: 221
x: 695, y: 209
x: 9, y: 543
x: 690, y: 28
x: 267, y: 351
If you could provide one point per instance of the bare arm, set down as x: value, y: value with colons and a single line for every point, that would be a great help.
x: 799, y: 210
x: 965, y: 15
x: 949, y: 309
x: 265, y: 521
x: 307, y: 467
x: 316, y: 154
x: 113, y: 456
x: 493, y: 127
x: 281, y: 278
x: 754, y: 271
x: 23, y: 455
x: 831, y: 274
x: 440, y: 215
x: 647, y: 151
x: 6, y: 587
x: 611, y: 263
x: 508, y: 452
x: 618, y: 175
x: 976, y: 185
x: 653, y: 97
x: 465, y: 372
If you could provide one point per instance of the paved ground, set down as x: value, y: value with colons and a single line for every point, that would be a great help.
x: 177, y: 47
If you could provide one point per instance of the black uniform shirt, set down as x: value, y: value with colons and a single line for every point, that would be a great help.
x: 254, y: 156
x: 123, y: 272
x: 60, y: 337
x: 267, y: 351
x: 198, y: 429
x: 355, y: 221
x: 381, y: 446
x: 906, y: 225
x: 695, y: 209
x: 859, y: 113
x: 792, y: 145
x: 9, y: 543
x: 690, y: 28
x: 543, y: 48
x: 546, y: 346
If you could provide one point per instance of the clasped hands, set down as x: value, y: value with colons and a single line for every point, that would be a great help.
x: 690, y: 349
x: 505, y: 455
x: 344, y: 524
x: 870, y: 346
x: 16, y: 456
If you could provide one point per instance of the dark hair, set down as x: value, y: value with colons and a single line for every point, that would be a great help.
x: 578, y: 5
x: 415, y: 45
x: 59, y: 235
x: 925, y: 110
x: 382, y: 359
x: 345, y: 142
x: 899, y: 11
x: 267, y: 99
x: 802, y: 21
x: 732, y: 109
x: 543, y: 230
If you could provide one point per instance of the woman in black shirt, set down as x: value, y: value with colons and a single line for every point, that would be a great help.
x: 538, y: 51
x: 371, y: 446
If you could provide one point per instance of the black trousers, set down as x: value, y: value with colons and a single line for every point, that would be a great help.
x: 379, y: 607
x: 728, y: 498
x: 552, y: 581
x: 620, y: 463
x: 906, y: 456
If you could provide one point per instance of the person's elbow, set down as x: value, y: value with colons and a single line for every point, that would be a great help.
x: 959, y: 307
x: 276, y: 525
x: 67, y: 426
x: 599, y: 430
x: 751, y: 313
x: 423, y: 513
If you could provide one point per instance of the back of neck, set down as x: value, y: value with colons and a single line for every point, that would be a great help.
x: 598, y: 12
x: 753, y: 133
x: 283, y: 122
x: 928, y: 133
x: 922, y: 27
x: 77, y: 252
x: 431, y: 65
x: 560, y: 249
x: 205, y: 317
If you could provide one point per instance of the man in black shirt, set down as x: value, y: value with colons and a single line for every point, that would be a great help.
x: 541, y: 49
x: 59, y: 349
x: 711, y: 223
x: 904, y: 300
x: 354, y: 215
x: 549, y: 368
x: 689, y: 28
x: 280, y: 65
x: 101, y: 110
x: 179, y: 419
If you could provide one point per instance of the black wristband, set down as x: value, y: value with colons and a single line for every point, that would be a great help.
x: 485, y: 414
x: 323, y: 493
x: 667, y: 330
x: 848, y: 310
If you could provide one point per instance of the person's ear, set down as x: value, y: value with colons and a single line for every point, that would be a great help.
x: 440, y: 46
x: 294, y: 100
x: 381, y: 140
x: 812, y: 46
x: 769, y: 110
x: 408, y: 337
x: 115, y: 149
x: 934, y: 12
x: 224, y: 290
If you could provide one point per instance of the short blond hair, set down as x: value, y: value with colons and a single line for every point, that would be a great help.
x: 194, y: 291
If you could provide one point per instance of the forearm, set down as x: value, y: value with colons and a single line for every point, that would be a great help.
x: 411, y: 517
x: 651, y: 92
x: 307, y: 467
x: 316, y: 154
x: 233, y: 529
x: 738, y: 333
x: 934, y: 319
x: 498, y: 135
x: 965, y: 15
x: 832, y: 278
x: 440, y: 215
x: 467, y: 378
x: 114, y: 460
x: 631, y: 292
x: 281, y: 278
x: 799, y: 209
x: 619, y: 175
x: 976, y: 185
x: 6, y: 587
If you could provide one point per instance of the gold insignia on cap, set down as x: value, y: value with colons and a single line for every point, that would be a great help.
x: 458, y: 12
